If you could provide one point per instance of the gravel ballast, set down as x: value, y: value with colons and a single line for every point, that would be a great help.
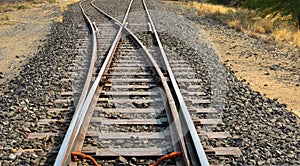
x: 27, y: 97
x: 265, y: 132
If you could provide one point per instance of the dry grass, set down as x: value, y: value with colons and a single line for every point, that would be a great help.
x: 62, y: 4
x: 209, y: 9
x: 236, y: 24
x: 7, y: 6
x: 5, y: 17
x: 63, y: 7
x: 282, y: 35
x: 259, y: 28
x: 247, y: 21
x: 60, y: 18
x: 296, y: 38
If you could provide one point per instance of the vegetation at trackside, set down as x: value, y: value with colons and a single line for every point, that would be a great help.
x: 11, y: 5
x: 273, y: 8
x: 267, y: 22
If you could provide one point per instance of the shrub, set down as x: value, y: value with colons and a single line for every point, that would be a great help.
x: 248, y: 20
x: 24, y: 6
x: 296, y: 38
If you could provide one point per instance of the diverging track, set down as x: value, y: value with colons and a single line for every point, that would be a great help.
x: 131, y: 106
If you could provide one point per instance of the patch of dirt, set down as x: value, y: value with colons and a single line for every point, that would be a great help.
x: 273, y: 70
x: 21, y: 32
x: 20, y: 36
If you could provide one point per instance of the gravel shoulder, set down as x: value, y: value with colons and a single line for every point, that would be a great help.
x: 272, y: 69
x: 27, y: 97
x: 21, y: 35
x: 22, y: 32
x: 269, y: 68
x: 264, y: 130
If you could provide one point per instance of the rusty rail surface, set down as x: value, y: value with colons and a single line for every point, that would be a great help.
x: 71, y: 136
x: 185, y: 138
x: 65, y: 150
x: 193, y: 143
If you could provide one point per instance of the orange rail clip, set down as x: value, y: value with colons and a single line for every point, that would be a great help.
x: 169, y: 156
x: 78, y: 155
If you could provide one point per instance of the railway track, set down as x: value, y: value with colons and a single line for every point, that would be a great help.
x: 134, y: 105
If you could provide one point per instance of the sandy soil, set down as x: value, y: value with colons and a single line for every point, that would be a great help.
x: 22, y: 31
x: 272, y: 69
x: 272, y: 75
x: 20, y: 36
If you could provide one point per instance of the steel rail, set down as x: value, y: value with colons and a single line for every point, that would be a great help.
x: 176, y: 129
x: 65, y: 150
x: 169, y: 96
x: 89, y: 98
x: 183, y: 108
